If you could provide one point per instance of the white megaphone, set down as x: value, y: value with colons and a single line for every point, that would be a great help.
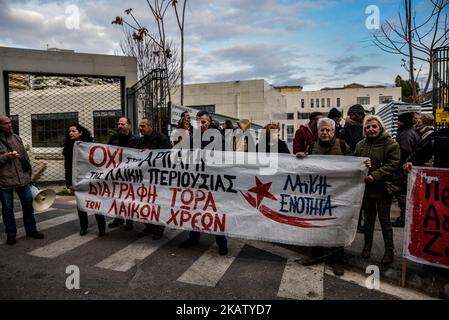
x: 42, y: 199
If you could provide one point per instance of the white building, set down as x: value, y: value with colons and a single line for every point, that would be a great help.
x: 301, y: 103
x: 289, y: 106
x: 255, y: 100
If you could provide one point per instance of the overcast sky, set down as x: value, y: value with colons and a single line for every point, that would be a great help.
x: 316, y: 44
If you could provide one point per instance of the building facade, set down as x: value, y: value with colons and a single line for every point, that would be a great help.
x: 255, y: 100
x: 45, y: 91
x: 300, y: 104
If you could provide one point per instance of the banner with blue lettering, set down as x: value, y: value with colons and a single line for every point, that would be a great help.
x: 269, y: 197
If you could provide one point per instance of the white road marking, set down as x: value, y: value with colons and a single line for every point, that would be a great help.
x: 127, y: 258
x: 302, y: 283
x: 19, y: 214
x: 350, y: 276
x: 62, y: 246
x: 397, y: 291
x: 50, y: 223
x: 210, y: 267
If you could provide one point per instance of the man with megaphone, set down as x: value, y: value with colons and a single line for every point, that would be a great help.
x: 15, y: 174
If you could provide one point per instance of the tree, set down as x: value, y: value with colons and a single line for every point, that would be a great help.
x: 181, y: 25
x: 407, y: 94
x: 415, y: 37
x: 150, y: 57
x: 138, y: 33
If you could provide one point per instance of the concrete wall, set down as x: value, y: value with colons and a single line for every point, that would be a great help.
x: 65, y: 63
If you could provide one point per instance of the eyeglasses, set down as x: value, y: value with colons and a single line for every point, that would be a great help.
x: 374, y: 126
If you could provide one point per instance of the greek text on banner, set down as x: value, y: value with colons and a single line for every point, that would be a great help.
x: 314, y: 201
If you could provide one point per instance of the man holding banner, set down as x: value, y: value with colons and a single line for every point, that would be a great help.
x: 123, y: 138
x: 206, y: 124
x: 152, y: 140
x: 327, y: 144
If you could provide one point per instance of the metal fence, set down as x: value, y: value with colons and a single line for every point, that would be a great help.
x: 440, y: 66
x: 148, y: 98
x: 42, y: 107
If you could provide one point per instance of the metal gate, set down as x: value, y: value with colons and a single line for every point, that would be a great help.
x: 440, y: 65
x: 148, y: 98
x: 43, y: 106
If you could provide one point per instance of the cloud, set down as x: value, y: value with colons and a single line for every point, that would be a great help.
x: 359, y: 70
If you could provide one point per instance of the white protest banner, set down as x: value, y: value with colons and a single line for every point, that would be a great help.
x: 313, y: 201
x: 427, y: 220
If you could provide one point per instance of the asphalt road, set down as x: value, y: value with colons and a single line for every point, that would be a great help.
x: 120, y: 266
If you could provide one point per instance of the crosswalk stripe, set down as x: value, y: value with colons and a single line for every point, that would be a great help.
x: 274, y: 249
x: 62, y: 246
x: 19, y: 214
x: 47, y: 224
x: 385, y: 287
x: 127, y: 258
x: 298, y: 282
x: 210, y: 267
x: 302, y: 283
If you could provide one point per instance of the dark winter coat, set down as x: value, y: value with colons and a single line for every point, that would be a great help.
x: 435, y: 145
x: 352, y: 134
x: 156, y: 140
x: 408, y: 139
x: 67, y: 151
x: 385, y: 156
x: 11, y: 173
x: 129, y: 141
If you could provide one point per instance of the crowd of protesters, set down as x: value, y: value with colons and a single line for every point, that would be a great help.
x: 416, y: 143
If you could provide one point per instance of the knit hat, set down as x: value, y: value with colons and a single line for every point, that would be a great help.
x: 334, y: 113
x: 357, y: 108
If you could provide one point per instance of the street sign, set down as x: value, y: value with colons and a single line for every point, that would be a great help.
x: 441, y: 116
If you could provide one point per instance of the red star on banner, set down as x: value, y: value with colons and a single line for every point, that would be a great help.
x: 262, y: 191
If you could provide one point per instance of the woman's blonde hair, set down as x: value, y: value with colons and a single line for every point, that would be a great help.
x: 427, y: 119
x: 375, y: 118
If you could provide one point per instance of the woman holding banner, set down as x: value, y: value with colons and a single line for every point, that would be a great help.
x: 77, y: 132
x: 384, y: 154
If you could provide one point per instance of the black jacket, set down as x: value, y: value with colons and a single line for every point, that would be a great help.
x: 67, y: 151
x: 156, y: 140
x: 129, y: 141
x: 352, y: 134
x: 435, y: 145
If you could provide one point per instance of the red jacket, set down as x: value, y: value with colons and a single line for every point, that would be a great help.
x: 303, y: 139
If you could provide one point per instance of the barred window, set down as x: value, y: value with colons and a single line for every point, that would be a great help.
x: 363, y: 100
x: 311, y: 103
x: 385, y: 99
x: 290, y: 116
x: 105, y: 124
x: 322, y: 103
x: 328, y: 102
x: 15, y: 124
x: 302, y: 103
x: 49, y: 129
